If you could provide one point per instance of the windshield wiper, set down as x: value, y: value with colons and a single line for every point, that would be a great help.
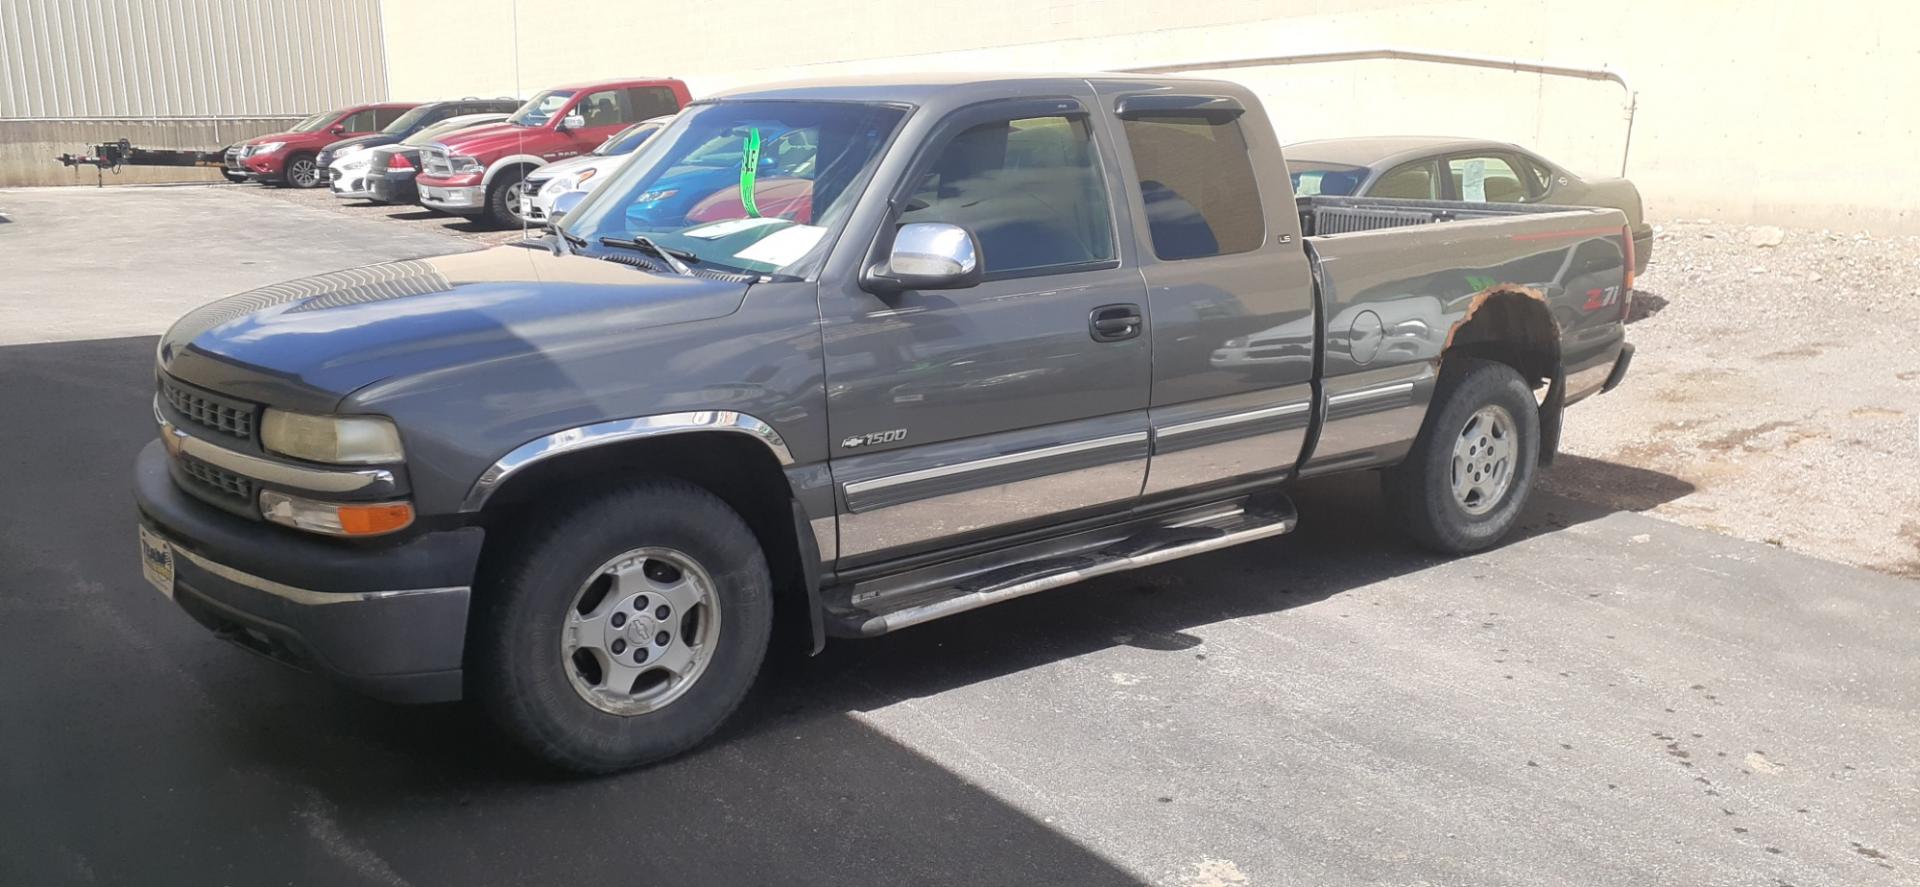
x: 671, y: 256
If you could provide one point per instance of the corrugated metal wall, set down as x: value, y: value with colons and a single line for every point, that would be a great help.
x: 95, y: 59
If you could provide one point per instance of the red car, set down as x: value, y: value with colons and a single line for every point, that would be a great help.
x: 479, y: 171
x: 288, y: 157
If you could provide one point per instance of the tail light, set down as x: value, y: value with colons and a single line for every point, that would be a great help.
x: 400, y: 161
x: 1626, y: 276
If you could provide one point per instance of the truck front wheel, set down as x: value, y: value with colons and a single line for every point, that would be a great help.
x: 623, y: 628
x: 1463, y: 485
x: 503, y: 197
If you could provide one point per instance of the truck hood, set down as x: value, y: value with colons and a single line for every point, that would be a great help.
x: 498, y: 138
x: 306, y: 344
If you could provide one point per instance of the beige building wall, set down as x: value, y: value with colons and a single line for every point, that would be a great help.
x: 1777, y: 111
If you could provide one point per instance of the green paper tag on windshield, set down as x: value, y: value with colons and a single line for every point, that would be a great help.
x: 749, y: 168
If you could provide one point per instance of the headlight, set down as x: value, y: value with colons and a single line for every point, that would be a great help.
x: 652, y: 196
x: 1234, y: 343
x: 355, y: 163
x: 465, y: 164
x: 351, y: 149
x: 584, y: 175
x: 557, y: 185
x: 335, y: 518
x: 265, y: 148
x: 344, y: 440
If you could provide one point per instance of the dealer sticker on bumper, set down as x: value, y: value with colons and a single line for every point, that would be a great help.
x: 156, y: 561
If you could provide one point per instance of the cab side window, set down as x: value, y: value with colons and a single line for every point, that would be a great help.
x: 384, y: 116
x: 608, y: 107
x: 1488, y: 178
x: 1412, y: 181
x: 648, y: 102
x: 1196, y: 179
x: 1030, y: 189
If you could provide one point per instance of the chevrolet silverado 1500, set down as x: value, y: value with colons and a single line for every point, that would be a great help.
x: 983, y: 336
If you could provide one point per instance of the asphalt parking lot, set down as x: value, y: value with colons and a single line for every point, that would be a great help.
x: 1610, y: 699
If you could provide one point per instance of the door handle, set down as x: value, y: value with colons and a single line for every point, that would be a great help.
x: 1114, y: 323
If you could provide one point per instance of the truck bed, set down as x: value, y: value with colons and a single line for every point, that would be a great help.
x: 1324, y: 215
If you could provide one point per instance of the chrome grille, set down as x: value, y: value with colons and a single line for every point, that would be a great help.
x: 434, y: 162
x: 230, y: 417
x: 233, y: 157
x: 218, y: 480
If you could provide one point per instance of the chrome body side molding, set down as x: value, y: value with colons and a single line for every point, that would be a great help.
x: 619, y: 431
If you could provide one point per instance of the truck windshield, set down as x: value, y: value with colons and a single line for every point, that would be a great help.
x: 1311, y: 177
x: 541, y: 108
x: 314, y: 123
x: 752, y: 186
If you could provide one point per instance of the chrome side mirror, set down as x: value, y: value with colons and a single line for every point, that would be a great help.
x: 573, y: 121
x: 927, y: 256
x: 562, y: 205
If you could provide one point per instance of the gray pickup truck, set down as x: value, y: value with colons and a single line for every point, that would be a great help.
x: 839, y: 358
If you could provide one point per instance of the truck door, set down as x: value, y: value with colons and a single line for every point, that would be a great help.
x: 965, y: 413
x: 1229, y: 291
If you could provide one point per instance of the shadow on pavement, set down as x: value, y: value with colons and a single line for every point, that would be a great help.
x: 135, y: 748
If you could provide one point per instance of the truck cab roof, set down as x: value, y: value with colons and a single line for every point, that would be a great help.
x: 951, y: 86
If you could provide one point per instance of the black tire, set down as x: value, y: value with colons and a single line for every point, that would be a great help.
x: 503, y: 201
x: 1420, y: 490
x: 515, y: 664
x: 294, y: 179
x: 232, y: 176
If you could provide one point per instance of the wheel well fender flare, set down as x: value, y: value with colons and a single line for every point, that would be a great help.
x: 510, y: 162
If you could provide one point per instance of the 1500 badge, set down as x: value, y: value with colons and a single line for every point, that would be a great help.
x: 874, y: 439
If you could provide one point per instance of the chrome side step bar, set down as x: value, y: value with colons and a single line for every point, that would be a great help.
x: 1180, y: 536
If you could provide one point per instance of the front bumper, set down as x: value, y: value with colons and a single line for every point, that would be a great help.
x: 469, y: 200
x: 389, y: 620
x: 349, y: 185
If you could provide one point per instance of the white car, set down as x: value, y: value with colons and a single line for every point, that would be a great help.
x: 347, y: 174
x: 585, y: 172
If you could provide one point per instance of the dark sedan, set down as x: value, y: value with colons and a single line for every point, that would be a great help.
x: 391, y: 169
x: 1446, y: 168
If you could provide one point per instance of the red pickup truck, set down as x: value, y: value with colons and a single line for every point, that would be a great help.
x: 479, y: 171
x: 288, y: 157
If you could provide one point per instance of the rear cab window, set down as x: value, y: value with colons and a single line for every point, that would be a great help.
x: 1196, y: 179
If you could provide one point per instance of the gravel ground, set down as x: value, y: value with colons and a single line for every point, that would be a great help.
x: 321, y: 198
x: 1775, y: 395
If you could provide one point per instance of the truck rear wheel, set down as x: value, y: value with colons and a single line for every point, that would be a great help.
x: 1468, y: 476
x: 624, y: 628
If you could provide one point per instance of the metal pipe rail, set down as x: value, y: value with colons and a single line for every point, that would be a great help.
x: 1417, y: 55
